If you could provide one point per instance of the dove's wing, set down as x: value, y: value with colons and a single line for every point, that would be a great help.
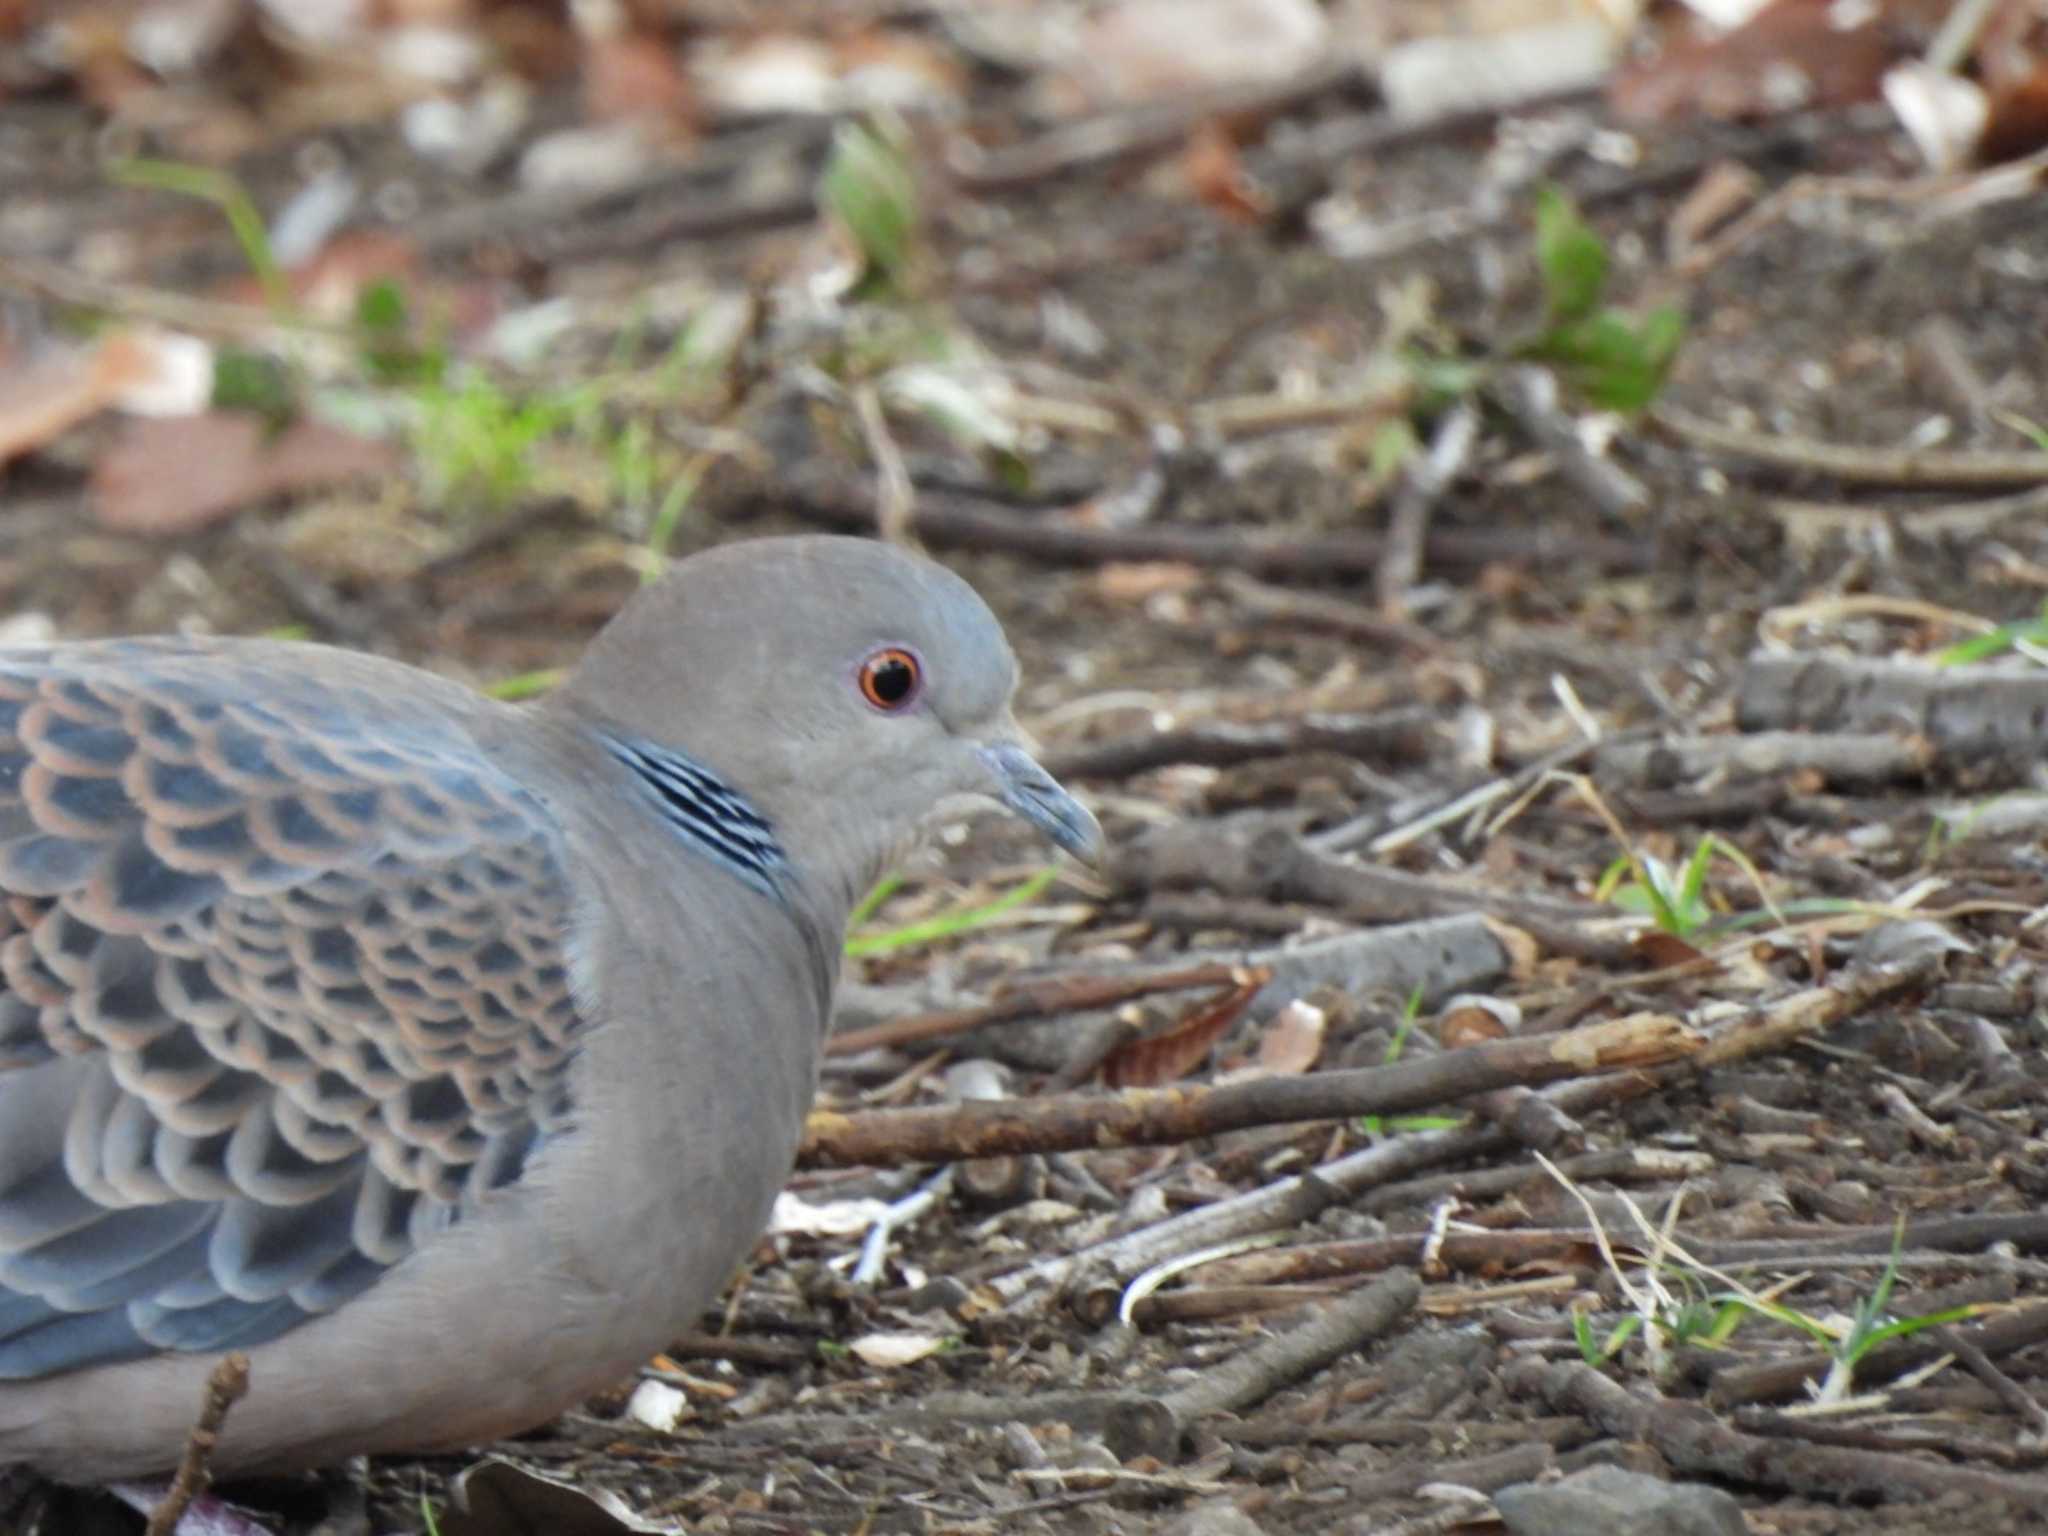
x: 282, y: 989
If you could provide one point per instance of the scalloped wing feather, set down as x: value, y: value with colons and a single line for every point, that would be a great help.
x: 281, y: 989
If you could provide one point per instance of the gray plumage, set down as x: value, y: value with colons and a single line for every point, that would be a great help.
x: 443, y: 1055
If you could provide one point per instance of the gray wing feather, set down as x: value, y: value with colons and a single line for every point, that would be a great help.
x: 281, y: 991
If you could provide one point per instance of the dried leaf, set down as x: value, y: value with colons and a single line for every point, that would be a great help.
x: 2018, y: 123
x: 1125, y: 581
x: 1662, y: 949
x: 1292, y: 1040
x: 495, y: 1498
x: 140, y: 370
x: 1471, y: 1020
x: 205, y: 1516
x: 1521, y: 946
x: 172, y: 475
x: 1164, y: 1058
x: 41, y: 399
x: 886, y: 1351
x: 1216, y: 174
x: 635, y: 74
x: 1792, y: 55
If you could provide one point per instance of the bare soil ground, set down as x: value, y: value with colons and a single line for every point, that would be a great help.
x: 1823, y: 1075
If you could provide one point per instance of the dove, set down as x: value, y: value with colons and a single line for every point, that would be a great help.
x: 442, y: 1055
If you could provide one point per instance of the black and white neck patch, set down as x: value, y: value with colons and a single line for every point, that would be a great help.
x: 707, y: 812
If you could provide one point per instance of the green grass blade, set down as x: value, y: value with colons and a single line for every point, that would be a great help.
x: 527, y: 685
x: 946, y: 924
x: 871, y: 903
x: 227, y: 194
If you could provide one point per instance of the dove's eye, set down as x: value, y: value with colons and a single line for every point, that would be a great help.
x: 891, y: 678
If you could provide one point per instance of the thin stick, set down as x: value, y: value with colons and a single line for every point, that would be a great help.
x: 1154, y: 1116
x: 228, y: 1384
x: 1335, y: 1329
x: 1428, y: 478
x: 1850, y: 464
x: 1033, y: 998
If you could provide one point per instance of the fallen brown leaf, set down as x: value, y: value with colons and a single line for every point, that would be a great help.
x: 635, y: 74
x: 1292, y: 1041
x: 2019, y: 119
x: 1163, y: 1058
x: 1792, y: 54
x: 171, y: 475
x: 1662, y: 949
x: 1217, y: 176
x: 52, y: 393
x: 1126, y: 581
x: 1468, y: 1024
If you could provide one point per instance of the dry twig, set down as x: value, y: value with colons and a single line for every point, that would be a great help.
x: 1036, y: 997
x: 228, y: 1384
x: 1334, y: 1329
x: 1139, y: 1117
x: 1697, y: 1442
x: 1853, y: 465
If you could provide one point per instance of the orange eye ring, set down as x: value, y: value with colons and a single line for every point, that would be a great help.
x: 891, y: 679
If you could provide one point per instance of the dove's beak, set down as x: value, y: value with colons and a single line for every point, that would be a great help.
x: 1024, y: 787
